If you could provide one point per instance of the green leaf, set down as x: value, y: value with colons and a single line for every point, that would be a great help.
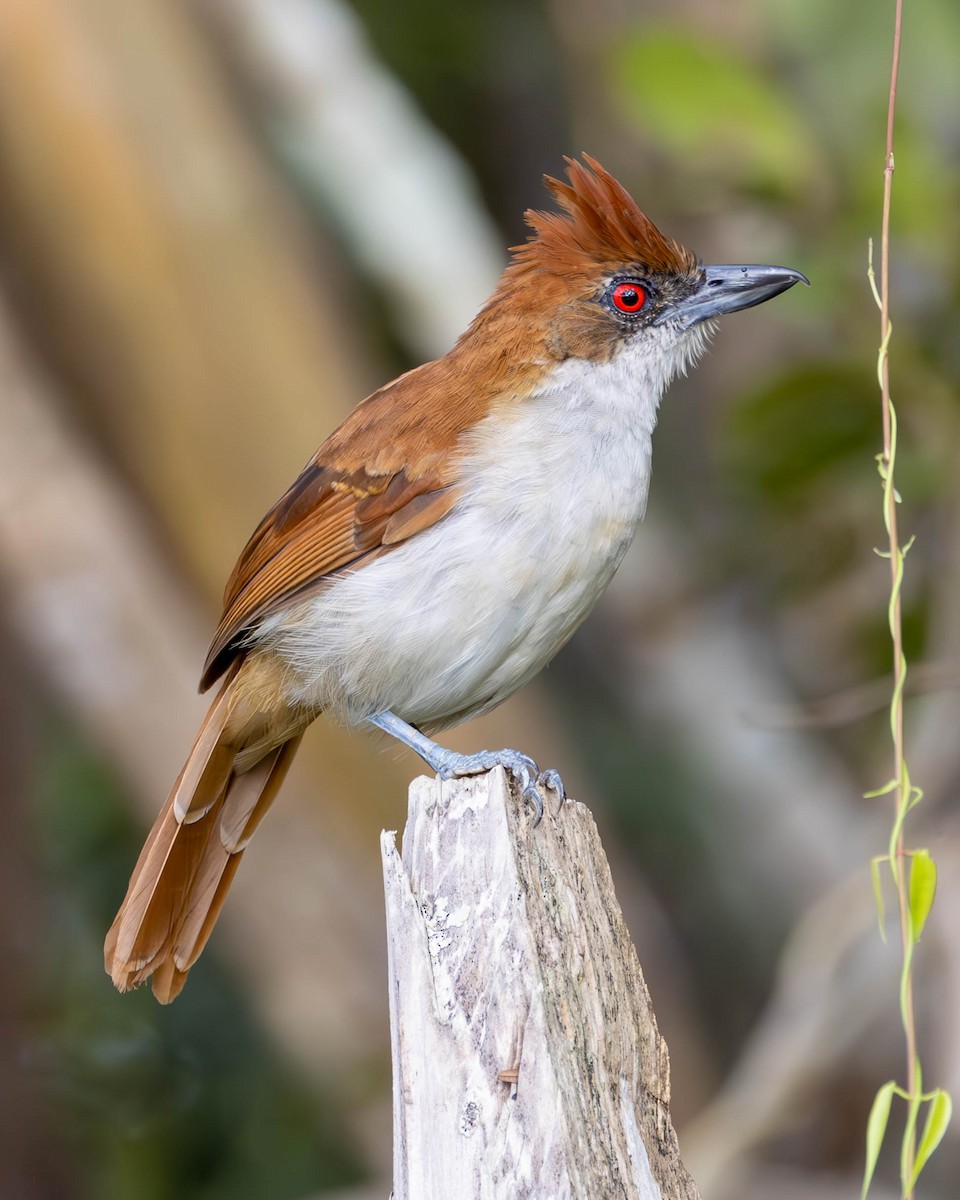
x: 935, y: 1126
x: 923, y: 887
x: 876, y: 1128
x: 914, y: 796
x: 891, y: 785
x: 907, y: 1152
x: 878, y: 894
x: 710, y: 103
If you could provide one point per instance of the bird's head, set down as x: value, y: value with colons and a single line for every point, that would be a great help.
x: 599, y: 278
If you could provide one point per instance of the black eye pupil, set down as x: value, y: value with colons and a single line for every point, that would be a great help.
x: 629, y: 297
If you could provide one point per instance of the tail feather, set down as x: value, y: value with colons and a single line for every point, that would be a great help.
x: 245, y: 804
x: 191, y: 855
x: 209, y: 762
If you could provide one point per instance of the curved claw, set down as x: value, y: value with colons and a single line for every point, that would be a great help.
x: 531, y: 793
x: 551, y: 780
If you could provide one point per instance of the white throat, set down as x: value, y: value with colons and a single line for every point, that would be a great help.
x: 579, y: 450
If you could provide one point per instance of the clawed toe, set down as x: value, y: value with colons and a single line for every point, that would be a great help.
x: 551, y: 780
x: 532, y: 781
x: 519, y: 765
x: 531, y: 793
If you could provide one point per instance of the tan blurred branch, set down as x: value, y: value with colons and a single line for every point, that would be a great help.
x: 350, y: 129
x: 854, y: 703
x: 164, y: 266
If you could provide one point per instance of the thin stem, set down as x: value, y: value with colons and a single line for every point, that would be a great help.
x: 896, y: 566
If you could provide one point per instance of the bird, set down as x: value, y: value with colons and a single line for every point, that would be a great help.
x: 441, y: 545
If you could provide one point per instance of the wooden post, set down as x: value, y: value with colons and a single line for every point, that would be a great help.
x: 526, y: 1057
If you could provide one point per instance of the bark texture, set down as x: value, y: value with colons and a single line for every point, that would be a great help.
x: 527, y: 1060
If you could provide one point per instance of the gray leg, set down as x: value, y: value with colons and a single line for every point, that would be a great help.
x: 447, y: 763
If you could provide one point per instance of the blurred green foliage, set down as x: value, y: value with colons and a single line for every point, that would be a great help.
x: 749, y: 130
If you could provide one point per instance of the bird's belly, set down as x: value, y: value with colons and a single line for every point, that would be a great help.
x: 448, y: 624
x: 454, y: 620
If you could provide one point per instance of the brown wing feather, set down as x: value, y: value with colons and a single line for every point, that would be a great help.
x: 385, y: 474
x: 336, y: 533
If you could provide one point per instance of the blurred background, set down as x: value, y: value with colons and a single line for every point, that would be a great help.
x: 223, y: 222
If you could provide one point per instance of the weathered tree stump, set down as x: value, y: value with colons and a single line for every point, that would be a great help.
x: 526, y: 1056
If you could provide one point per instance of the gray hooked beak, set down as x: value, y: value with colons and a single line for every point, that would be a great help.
x: 728, y: 288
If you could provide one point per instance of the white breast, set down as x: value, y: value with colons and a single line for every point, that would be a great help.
x: 457, y: 618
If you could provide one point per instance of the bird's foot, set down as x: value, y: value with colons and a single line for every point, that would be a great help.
x: 448, y: 764
x: 530, y: 779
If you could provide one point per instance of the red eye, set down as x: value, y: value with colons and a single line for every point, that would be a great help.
x: 629, y: 297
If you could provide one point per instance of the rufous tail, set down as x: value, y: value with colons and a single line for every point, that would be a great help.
x: 192, y: 853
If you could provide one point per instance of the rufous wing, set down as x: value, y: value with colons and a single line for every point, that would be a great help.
x: 387, y: 473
